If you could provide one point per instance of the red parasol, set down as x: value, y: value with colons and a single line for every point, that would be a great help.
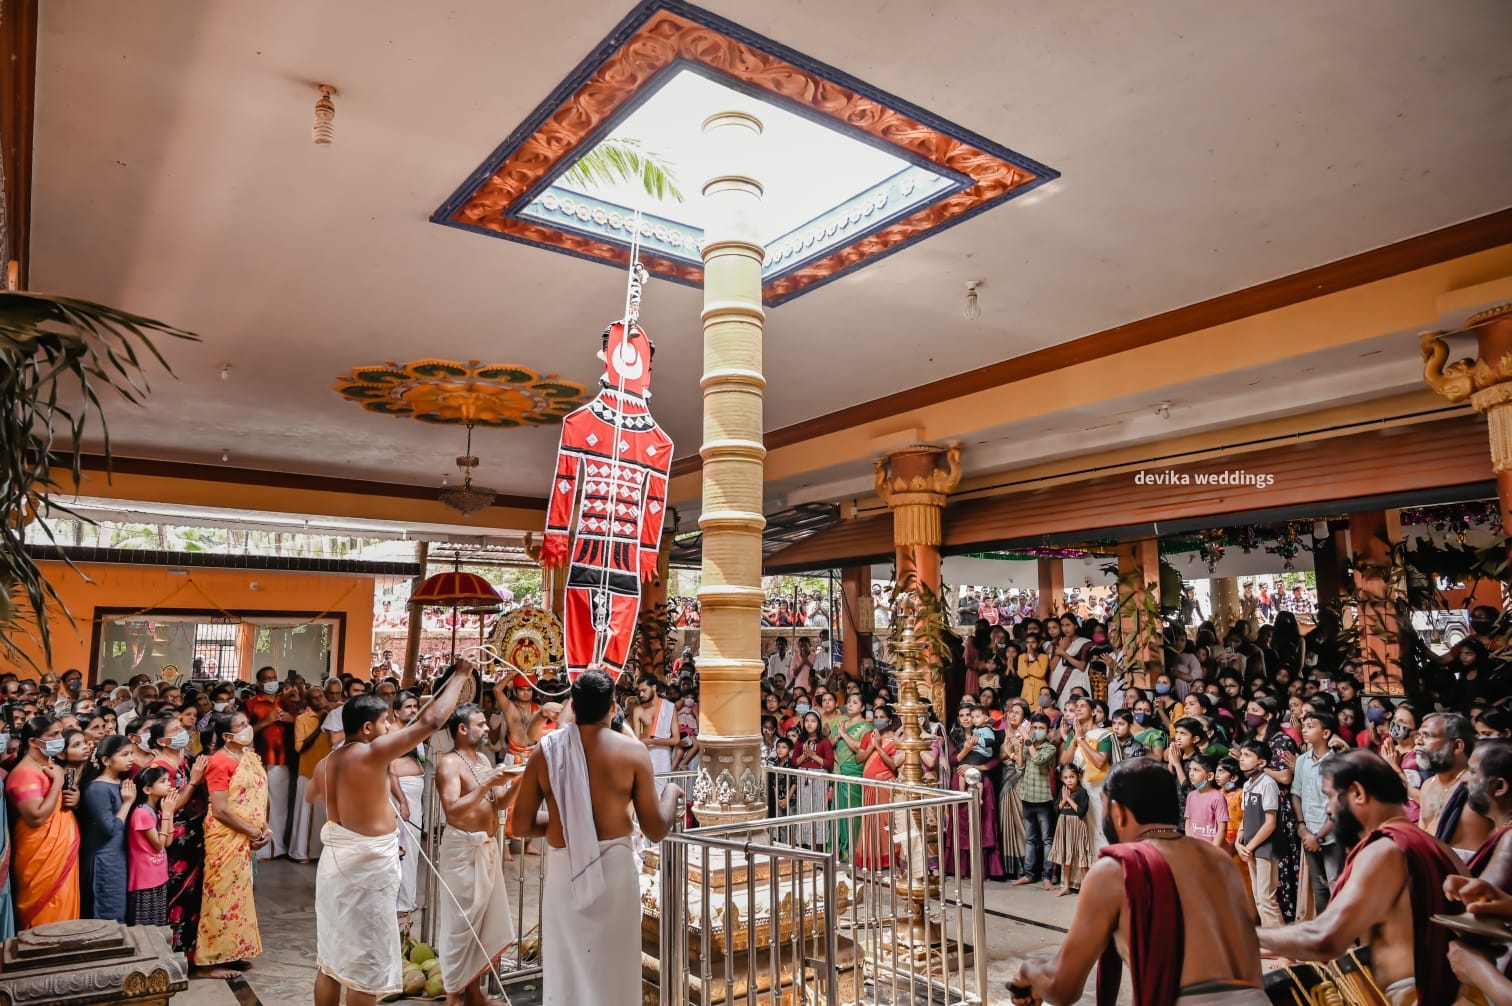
x: 453, y: 589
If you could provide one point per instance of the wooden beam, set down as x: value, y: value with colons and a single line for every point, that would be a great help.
x: 18, y: 109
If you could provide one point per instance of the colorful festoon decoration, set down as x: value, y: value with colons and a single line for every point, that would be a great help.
x: 611, y: 471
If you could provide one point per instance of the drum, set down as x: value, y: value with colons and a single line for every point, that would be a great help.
x: 1344, y: 982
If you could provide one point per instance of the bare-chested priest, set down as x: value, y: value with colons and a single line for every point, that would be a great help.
x: 522, y: 720
x: 472, y: 910
x: 356, y: 930
x: 589, y: 778
x: 1173, y: 907
x: 1392, y: 884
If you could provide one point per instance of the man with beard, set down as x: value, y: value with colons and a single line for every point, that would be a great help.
x: 1445, y: 744
x: 1489, y: 793
x: 1172, y: 906
x: 474, y: 923
x: 1391, y: 886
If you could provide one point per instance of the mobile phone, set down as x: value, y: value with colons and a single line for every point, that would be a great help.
x: 70, y: 777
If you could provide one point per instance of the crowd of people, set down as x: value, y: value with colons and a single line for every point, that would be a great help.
x: 146, y: 802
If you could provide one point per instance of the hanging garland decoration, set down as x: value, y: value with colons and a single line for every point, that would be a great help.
x: 1456, y: 518
x: 1211, y: 545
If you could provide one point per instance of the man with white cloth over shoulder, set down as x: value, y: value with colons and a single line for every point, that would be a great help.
x: 588, y: 777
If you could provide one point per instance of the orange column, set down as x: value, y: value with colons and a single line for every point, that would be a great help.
x: 1139, y: 624
x: 1372, y: 536
x: 914, y: 482
x: 856, y: 617
x: 1052, y: 587
x: 1486, y: 382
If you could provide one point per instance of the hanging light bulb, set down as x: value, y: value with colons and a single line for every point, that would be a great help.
x: 972, y: 311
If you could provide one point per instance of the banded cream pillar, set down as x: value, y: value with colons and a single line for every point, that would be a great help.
x: 730, y: 787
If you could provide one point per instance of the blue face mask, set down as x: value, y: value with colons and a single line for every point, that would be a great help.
x: 1375, y: 714
x: 802, y: 708
x: 179, y: 742
x: 1045, y: 701
x: 1202, y: 785
x: 53, y: 748
x: 1141, y: 718
x: 1162, y: 688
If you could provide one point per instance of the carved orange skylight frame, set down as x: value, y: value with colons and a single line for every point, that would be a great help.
x: 663, y: 36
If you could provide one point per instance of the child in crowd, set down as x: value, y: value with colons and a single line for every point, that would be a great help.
x: 1228, y: 779
x: 983, y: 740
x: 1072, y: 850
x: 149, y: 830
x: 1262, y: 801
x: 1129, y: 745
x: 1207, y: 811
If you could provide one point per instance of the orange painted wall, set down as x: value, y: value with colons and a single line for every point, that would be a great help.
x: 105, y: 585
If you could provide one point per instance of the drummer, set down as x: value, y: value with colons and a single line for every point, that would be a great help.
x: 1392, y: 884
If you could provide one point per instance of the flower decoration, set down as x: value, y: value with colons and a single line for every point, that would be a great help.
x: 442, y: 391
x: 1456, y: 518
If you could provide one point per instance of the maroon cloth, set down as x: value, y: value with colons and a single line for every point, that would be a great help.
x: 1156, y: 932
x: 1428, y: 864
x: 1482, y: 857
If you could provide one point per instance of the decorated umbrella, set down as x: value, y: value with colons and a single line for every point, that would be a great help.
x: 453, y: 589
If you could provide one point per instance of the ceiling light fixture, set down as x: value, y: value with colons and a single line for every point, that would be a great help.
x: 467, y: 499
x: 225, y: 455
x: 1163, y: 410
x: 1320, y: 529
x: 225, y: 372
x: 324, y: 132
x: 972, y: 311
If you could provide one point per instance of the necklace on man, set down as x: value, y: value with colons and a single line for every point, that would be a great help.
x: 1161, y: 833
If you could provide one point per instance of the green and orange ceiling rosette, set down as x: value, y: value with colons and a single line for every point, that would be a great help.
x: 503, y: 395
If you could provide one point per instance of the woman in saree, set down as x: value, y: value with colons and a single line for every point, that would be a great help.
x: 957, y: 853
x: 186, y: 849
x: 813, y: 752
x: 1011, y: 835
x: 852, y: 740
x: 1092, y: 747
x: 874, y: 849
x: 45, y: 852
x: 236, y: 827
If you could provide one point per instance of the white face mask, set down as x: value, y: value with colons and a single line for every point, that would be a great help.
x: 270, y: 687
x: 243, y: 736
x: 220, y: 707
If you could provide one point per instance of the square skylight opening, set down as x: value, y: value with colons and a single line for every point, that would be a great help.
x: 824, y: 185
x: 851, y: 174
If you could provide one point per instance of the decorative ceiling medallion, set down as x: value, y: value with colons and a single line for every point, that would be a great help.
x: 441, y: 391
x: 952, y: 174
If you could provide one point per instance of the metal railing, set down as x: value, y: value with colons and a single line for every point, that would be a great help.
x: 854, y: 891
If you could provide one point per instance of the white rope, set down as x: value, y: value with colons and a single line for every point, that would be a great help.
x: 477, y: 938
x: 628, y: 320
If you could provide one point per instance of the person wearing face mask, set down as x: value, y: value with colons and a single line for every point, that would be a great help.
x: 1033, y: 669
x: 1039, y: 760
x: 1390, y: 887
x: 45, y: 845
x: 185, y: 850
x: 1147, y: 729
x: 235, y: 829
x: 273, y: 736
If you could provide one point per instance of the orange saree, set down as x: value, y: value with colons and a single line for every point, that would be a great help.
x: 45, y: 860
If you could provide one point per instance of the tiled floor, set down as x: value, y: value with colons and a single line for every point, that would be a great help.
x: 285, y: 973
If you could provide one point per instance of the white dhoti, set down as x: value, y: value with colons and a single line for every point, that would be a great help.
x: 410, y: 835
x: 278, y: 811
x: 593, y: 955
x: 309, y: 818
x: 665, y: 728
x: 356, y: 930
x: 472, y: 906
